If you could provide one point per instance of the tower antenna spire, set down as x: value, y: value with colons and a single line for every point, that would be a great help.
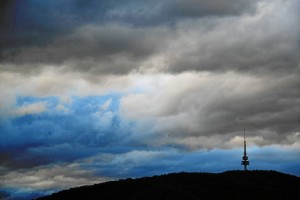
x: 245, y: 160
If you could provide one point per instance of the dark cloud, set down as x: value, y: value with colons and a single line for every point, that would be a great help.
x: 274, y: 110
x: 169, y: 12
x: 7, y: 14
x: 34, y: 31
x: 110, y: 48
x: 259, y: 44
x: 249, y: 43
x: 200, y: 8
x: 32, y: 23
x: 277, y: 56
x: 175, y: 78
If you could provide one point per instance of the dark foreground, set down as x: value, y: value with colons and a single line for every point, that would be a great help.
x: 231, y: 185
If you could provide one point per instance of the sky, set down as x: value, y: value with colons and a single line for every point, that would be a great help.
x: 93, y: 91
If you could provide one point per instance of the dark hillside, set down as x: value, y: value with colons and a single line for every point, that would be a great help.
x: 227, y: 185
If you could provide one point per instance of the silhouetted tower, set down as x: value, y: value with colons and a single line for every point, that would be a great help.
x: 245, y: 160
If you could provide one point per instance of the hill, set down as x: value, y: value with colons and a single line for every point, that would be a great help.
x: 231, y: 185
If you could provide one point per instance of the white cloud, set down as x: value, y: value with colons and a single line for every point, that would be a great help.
x: 62, y: 108
x: 52, y: 82
x: 50, y: 177
x: 204, y: 110
x: 166, y: 95
x: 106, y: 104
x: 27, y: 109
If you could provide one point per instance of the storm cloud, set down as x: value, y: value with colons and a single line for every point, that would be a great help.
x: 56, y: 32
x: 258, y: 42
x: 138, y: 88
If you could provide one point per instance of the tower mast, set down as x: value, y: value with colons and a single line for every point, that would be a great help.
x: 245, y: 160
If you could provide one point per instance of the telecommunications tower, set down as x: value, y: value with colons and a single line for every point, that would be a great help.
x: 245, y: 160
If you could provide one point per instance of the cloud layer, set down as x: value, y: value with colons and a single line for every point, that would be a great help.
x: 136, y: 88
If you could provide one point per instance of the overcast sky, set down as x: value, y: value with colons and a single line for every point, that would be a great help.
x: 93, y: 91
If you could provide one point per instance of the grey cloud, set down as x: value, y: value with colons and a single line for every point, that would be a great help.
x: 168, y: 12
x: 222, y: 66
x: 250, y: 43
x: 111, y: 48
x: 200, y: 8
x: 50, y: 177
x: 212, y: 109
x: 28, y: 24
x: 272, y: 113
x: 257, y: 44
x: 260, y: 45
